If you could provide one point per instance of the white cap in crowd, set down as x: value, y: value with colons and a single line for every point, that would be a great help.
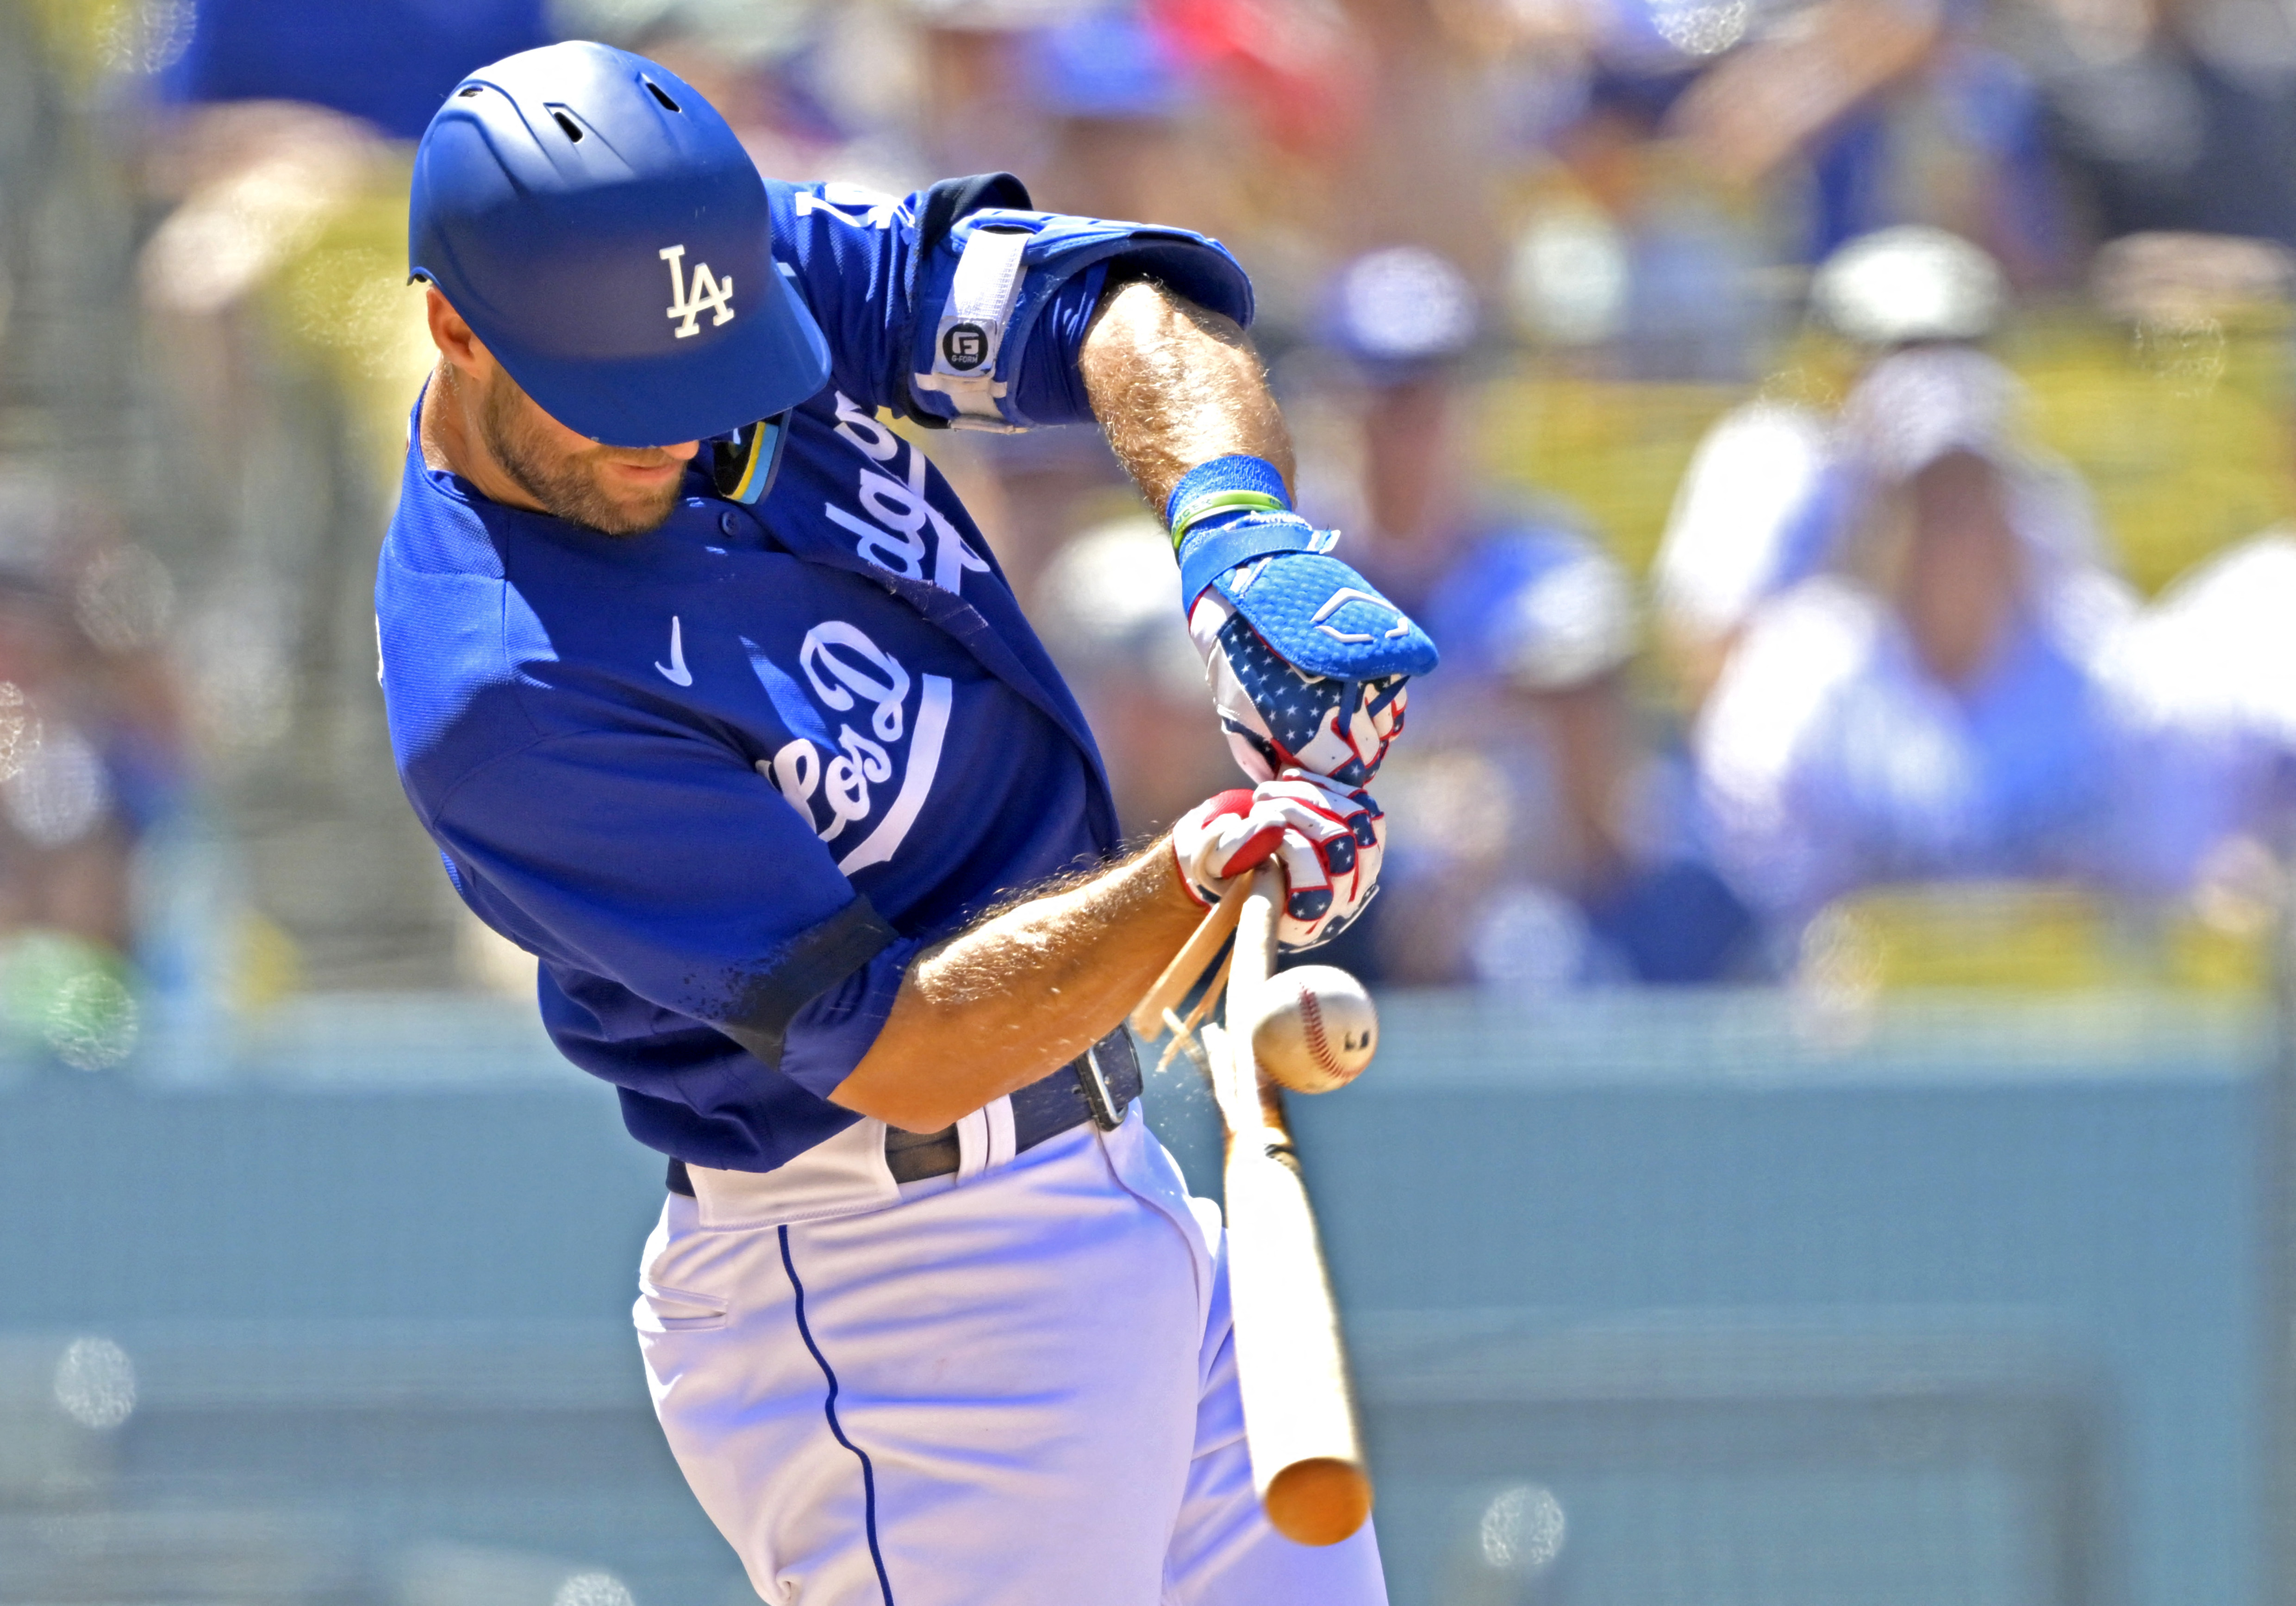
x: 1915, y: 406
x: 1909, y: 285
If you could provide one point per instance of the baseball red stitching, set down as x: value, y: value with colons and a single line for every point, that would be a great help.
x: 1311, y: 1016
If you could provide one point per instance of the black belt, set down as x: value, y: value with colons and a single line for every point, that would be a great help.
x: 1097, y: 1086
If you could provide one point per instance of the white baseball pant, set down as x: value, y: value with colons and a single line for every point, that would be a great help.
x: 1014, y: 1386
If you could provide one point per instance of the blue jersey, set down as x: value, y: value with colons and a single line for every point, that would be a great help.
x: 727, y: 778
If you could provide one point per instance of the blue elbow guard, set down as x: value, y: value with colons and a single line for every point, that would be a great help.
x: 983, y: 284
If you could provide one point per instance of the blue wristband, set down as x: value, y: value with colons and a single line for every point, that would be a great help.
x: 1211, y: 487
x: 1227, y: 512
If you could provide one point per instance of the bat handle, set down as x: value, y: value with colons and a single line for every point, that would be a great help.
x: 1249, y: 1104
x: 1187, y: 966
x: 1255, y: 936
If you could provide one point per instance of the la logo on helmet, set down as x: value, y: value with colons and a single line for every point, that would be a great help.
x: 710, y: 293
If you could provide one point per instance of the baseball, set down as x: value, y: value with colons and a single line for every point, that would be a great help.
x: 1315, y: 1029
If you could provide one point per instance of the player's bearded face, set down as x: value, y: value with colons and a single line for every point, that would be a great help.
x: 614, y: 490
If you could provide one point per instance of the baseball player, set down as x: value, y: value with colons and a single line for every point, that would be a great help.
x: 713, y: 698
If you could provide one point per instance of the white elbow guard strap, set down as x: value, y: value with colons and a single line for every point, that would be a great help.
x: 980, y: 287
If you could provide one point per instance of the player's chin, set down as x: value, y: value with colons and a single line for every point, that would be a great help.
x: 622, y: 509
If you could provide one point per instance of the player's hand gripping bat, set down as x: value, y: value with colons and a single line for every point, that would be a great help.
x: 1298, y: 1406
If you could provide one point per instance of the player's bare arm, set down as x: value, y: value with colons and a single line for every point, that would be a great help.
x: 1307, y: 672
x: 1023, y: 992
x: 1175, y: 385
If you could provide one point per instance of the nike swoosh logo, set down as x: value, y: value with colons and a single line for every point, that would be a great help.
x: 674, y: 671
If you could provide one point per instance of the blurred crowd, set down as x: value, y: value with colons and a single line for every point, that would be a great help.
x: 1835, y: 444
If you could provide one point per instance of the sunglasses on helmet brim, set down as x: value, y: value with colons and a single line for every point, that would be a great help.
x: 742, y: 464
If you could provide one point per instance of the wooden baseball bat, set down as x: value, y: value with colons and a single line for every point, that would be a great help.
x: 1292, y: 1365
x: 1188, y: 965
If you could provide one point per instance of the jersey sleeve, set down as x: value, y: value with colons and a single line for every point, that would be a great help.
x: 849, y: 248
x: 959, y: 307
x: 663, y: 863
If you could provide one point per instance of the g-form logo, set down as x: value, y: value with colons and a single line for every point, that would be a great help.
x: 710, y: 293
x: 966, y: 345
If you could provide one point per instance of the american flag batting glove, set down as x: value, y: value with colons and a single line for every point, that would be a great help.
x: 1307, y: 660
x: 1277, y: 717
x: 1329, y: 839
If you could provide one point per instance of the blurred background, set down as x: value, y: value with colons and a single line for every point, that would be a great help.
x: 1835, y: 1139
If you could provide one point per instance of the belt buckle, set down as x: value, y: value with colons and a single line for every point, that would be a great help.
x: 1096, y: 1096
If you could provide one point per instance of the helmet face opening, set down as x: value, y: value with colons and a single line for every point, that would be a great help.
x: 742, y: 464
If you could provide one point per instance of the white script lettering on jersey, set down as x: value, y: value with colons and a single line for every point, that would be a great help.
x: 845, y: 669
x: 892, y: 536
x: 710, y: 293
x: 856, y: 205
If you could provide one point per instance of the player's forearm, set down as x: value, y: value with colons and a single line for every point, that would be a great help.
x: 1174, y: 386
x: 1003, y: 1004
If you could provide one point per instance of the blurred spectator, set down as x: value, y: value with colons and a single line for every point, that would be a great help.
x: 1773, y: 488
x: 2210, y: 673
x: 977, y: 108
x: 1643, y: 256
x: 1116, y: 101
x: 1583, y: 871
x: 1896, y: 113
x: 386, y: 62
x: 89, y: 729
x: 1698, y: 140
x: 1117, y: 94
x: 1108, y: 610
x: 1302, y: 71
x: 2210, y: 668
x: 1940, y: 705
x: 771, y: 69
x: 1958, y: 143
x: 2172, y: 117
x: 90, y: 763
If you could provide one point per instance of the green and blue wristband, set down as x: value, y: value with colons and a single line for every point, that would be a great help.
x: 1227, y: 513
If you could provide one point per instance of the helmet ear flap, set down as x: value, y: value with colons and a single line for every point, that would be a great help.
x: 743, y: 463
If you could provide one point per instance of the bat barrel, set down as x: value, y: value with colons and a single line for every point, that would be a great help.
x: 1299, y: 1414
x: 1299, y: 1409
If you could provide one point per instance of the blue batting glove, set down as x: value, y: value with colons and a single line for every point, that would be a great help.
x: 1307, y: 661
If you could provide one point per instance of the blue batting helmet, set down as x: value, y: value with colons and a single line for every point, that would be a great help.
x: 600, y: 227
